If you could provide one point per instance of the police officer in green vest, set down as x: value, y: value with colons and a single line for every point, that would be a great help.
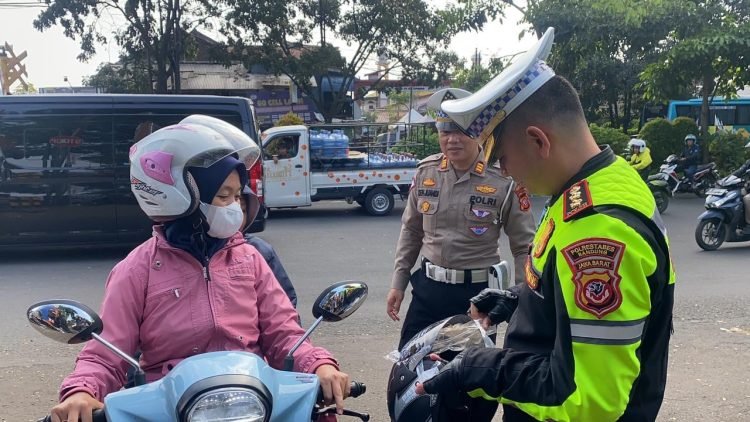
x: 588, y: 334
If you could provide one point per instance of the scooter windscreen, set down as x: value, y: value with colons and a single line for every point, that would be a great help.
x: 422, y: 358
x: 453, y: 334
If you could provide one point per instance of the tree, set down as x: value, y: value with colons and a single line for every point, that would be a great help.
x: 119, y: 79
x: 709, y: 47
x: 289, y: 119
x: 29, y: 88
x: 474, y: 77
x: 292, y: 38
x: 152, y: 31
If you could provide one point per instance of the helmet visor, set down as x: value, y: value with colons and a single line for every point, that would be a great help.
x: 247, y: 155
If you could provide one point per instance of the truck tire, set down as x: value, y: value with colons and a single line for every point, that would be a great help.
x: 379, y: 202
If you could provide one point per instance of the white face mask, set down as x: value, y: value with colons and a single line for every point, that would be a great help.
x: 223, y: 222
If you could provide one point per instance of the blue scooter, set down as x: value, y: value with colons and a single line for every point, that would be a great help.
x: 724, y: 218
x: 216, y: 386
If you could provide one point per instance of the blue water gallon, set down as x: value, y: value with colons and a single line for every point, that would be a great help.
x: 341, y: 142
x: 316, y: 144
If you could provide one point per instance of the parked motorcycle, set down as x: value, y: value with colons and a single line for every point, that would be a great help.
x: 215, y: 386
x: 724, y: 218
x: 425, y: 354
x: 667, y: 182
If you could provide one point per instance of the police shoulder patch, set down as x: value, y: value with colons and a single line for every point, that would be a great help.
x: 547, y: 231
x: 576, y: 200
x: 523, y: 197
x: 595, y: 264
x: 532, y: 276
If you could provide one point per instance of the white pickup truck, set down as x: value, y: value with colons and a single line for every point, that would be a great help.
x: 303, y: 165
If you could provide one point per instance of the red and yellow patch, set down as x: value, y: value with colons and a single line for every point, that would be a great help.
x: 576, y: 200
x: 532, y: 279
x: 479, y: 168
x: 485, y: 189
x: 540, y: 247
x: 429, y: 182
x: 523, y: 197
x: 425, y: 206
x: 444, y: 164
x: 595, y: 265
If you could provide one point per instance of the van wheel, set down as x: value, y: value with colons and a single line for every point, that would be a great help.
x: 379, y: 201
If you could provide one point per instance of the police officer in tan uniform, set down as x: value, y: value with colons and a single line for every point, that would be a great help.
x: 456, y: 208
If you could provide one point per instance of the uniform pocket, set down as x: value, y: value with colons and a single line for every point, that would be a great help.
x: 428, y: 208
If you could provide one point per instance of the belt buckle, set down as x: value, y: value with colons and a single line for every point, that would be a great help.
x: 440, y: 274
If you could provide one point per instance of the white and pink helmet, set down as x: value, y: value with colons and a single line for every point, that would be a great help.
x: 159, y: 179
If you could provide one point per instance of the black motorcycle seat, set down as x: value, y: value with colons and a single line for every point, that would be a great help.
x: 705, y: 166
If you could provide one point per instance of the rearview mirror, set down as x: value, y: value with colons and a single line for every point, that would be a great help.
x: 339, y: 300
x: 65, y: 321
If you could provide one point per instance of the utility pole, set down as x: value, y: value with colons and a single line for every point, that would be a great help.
x: 11, y: 69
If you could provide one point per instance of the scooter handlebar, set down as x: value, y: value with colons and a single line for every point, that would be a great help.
x: 356, y: 389
x: 98, y: 415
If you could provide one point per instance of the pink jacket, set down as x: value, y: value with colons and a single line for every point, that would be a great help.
x: 158, y: 300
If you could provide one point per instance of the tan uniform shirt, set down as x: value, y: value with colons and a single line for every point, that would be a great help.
x: 455, y: 222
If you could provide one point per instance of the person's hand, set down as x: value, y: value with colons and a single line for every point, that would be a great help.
x: 393, y: 303
x: 78, y: 405
x: 335, y: 386
x: 448, y: 380
x: 493, y: 306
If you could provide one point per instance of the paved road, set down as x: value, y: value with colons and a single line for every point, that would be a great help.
x: 709, y: 375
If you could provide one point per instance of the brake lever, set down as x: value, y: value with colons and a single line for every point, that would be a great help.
x: 332, y: 409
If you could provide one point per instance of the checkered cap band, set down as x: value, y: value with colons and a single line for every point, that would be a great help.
x: 484, y: 117
x: 448, y: 96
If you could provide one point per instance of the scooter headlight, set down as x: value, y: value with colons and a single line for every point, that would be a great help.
x: 228, y: 405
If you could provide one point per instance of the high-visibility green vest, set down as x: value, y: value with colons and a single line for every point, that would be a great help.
x: 589, y: 339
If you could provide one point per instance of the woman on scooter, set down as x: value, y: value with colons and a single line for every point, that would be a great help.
x: 195, y: 286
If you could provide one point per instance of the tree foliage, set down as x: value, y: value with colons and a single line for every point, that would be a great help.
x: 294, y: 38
x: 708, y: 47
x: 119, y: 79
x: 290, y: 119
x: 149, y: 31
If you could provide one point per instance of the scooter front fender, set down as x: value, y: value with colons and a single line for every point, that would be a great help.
x: 711, y: 214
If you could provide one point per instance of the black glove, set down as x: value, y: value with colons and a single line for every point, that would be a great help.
x: 448, y: 380
x: 499, y: 305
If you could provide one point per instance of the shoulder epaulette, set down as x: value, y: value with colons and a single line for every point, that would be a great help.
x: 431, y: 159
x: 576, y: 200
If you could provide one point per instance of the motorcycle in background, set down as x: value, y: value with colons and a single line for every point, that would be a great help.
x: 667, y: 182
x: 215, y: 386
x: 724, y: 218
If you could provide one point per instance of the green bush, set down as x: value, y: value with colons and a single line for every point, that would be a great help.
x: 728, y: 151
x: 290, y: 119
x: 684, y: 126
x: 662, y: 139
x: 420, y: 144
x: 615, y: 138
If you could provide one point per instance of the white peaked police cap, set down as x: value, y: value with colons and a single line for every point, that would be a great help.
x: 479, y: 113
x: 442, y: 121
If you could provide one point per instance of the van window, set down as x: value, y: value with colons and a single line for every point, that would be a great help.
x: 57, y: 142
x: 283, y: 147
x: 130, y: 127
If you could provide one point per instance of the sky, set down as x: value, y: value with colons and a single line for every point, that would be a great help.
x: 52, y: 56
